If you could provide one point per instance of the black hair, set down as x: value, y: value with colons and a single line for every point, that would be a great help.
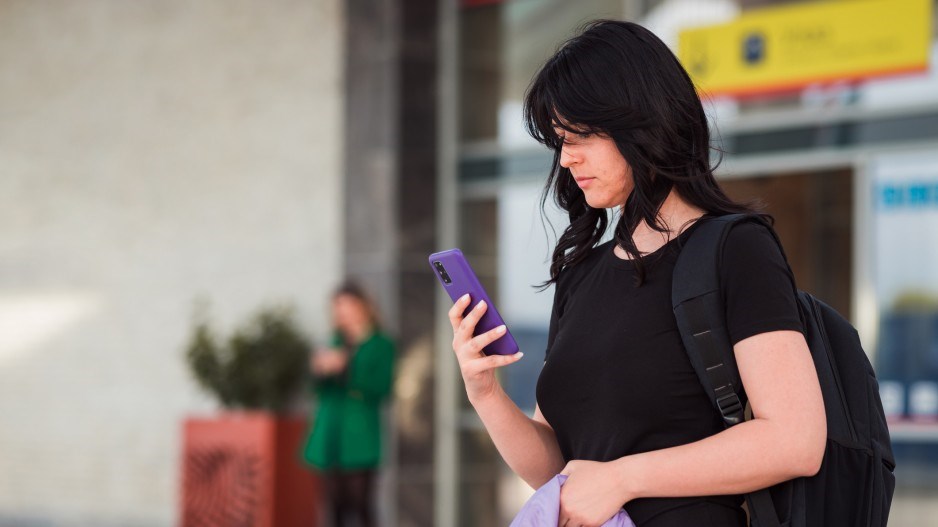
x: 618, y: 79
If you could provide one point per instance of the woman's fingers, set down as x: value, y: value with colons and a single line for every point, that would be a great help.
x: 468, y: 325
x: 468, y: 347
x: 479, y: 342
x: 489, y: 362
x: 497, y: 361
x: 463, y: 328
x: 455, y: 312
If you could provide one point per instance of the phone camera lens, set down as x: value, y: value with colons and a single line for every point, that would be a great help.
x: 442, y: 270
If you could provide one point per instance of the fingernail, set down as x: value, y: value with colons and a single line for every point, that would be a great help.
x: 500, y: 329
x: 519, y: 354
x: 464, y: 297
x: 481, y: 303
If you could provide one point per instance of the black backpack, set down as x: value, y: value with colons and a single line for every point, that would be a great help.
x: 855, y: 484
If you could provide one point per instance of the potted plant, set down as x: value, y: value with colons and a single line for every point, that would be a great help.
x: 242, y: 467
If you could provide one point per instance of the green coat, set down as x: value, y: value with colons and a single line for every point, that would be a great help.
x: 346, y: 430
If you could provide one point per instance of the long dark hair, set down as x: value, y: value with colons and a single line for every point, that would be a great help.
x: 618, y: 79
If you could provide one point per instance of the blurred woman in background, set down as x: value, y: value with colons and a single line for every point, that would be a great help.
x: 352, y: 376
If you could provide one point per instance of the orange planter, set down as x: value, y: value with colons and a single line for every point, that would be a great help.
x: 244, y: 468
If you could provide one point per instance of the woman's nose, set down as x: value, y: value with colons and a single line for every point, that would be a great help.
x: 566, y: 159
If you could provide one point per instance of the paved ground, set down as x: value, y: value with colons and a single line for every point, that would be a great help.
x: 914, y: 509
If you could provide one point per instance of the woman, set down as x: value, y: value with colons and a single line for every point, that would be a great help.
x: 352, y: 378
x: 619, y: 409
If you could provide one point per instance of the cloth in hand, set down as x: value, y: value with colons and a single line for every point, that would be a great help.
x: 543, y: 508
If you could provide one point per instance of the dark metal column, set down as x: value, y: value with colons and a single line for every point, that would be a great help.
x: 390, y: 217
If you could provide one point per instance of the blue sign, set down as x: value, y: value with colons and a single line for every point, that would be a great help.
x: 915, y: 194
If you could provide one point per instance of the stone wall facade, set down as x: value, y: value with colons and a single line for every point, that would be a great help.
x: 151, y: 153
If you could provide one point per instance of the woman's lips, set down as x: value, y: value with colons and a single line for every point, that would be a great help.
x: 583, y: 182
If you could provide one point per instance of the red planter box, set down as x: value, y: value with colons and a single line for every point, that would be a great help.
x: 244, y: 468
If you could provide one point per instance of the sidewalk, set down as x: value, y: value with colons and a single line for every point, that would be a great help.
x: 912, y: 508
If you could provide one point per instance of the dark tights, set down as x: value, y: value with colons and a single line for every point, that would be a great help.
x: 350, y: 498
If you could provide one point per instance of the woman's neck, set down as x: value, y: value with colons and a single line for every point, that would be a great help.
x: 358, y: 334
x: 675, y: 213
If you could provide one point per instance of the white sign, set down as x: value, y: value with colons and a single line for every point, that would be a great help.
x: 905, y: 223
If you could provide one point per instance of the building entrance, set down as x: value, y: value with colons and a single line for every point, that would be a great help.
x: 813, y: 214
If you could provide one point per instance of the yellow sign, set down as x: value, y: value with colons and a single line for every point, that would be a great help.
x: 784, y: 48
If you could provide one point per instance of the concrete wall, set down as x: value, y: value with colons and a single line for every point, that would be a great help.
x: 150, y: 151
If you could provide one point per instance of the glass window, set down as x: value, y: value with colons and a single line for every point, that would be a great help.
x: 905, y: 271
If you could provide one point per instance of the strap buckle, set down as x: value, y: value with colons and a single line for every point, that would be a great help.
x: 731, y: 408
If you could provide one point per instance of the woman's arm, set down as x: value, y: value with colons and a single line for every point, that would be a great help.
x: 785, y: 439
x: 527, y: 445
x: 372, y: 373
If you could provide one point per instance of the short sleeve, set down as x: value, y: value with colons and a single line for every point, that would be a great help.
x: 757, y: 284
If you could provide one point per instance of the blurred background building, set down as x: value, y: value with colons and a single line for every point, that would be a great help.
x: 156, y: 152
x: 152, y: 153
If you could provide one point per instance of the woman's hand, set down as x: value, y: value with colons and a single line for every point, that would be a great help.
x: 477, y: 368
x: 328, y: 362
x: 593, y: 493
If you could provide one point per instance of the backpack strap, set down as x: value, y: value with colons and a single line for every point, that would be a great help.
x: 700, y: 310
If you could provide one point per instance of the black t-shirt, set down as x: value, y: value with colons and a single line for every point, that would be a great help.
x: 616, y: 379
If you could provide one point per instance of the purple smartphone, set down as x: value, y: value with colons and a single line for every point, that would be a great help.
x: 457, y: 277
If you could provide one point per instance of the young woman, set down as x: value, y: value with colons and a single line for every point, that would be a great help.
x: 352, y: 378
x: 620, y: 410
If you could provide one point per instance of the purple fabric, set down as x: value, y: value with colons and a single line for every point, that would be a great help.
x: 543, y: 509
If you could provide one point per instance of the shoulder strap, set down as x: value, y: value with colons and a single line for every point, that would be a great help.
x: 699, y: 308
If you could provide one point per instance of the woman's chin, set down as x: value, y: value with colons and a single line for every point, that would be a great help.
x: 599, y: 203
x: 605, y: 202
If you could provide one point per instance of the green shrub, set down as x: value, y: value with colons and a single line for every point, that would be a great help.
x: 261, y: 366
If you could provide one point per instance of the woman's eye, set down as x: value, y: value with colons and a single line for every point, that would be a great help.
x: 572, y: 138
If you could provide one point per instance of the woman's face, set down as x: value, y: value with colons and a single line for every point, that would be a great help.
x: 351, y: 315
x: 598, y: 167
